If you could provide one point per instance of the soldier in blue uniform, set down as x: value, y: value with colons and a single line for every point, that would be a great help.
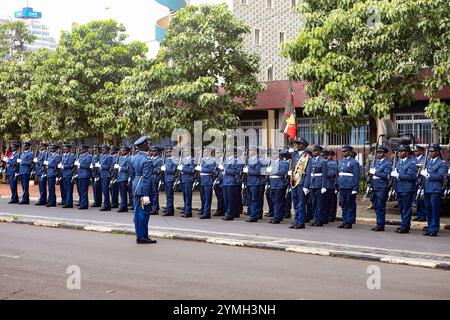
x: 278, y: 170
x: 332, y: 185
x: 434, y: 175
x: 83, y: 164
x: 122, y: 177
x: 218, y: 183
x: 52, y: 163
x: 25, y: 160
x: 96, y: 183
x: 405, y: 174
x: 114, y: 187
x: 68, y: 164
x: 419, y: 157
x: 156, y: 160
x: 105, y: 164
x: 255, y: 184
x: 348, y: 181
x: 318, y: 187
x: 240, y: 157
x: 187, y: 169
x: 141, y: 167
x: 206, y: 169
x: 301, y: 189
x: 231, y: 172
x: 169, y: 168
x: 380, y: 176
x: 287, y: 198
x: 11, y: 171
x: 41, y: 173
x: 130, y: 179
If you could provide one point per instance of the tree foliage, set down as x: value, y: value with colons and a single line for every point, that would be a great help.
x: 14, y: 36
x: 368, y: 57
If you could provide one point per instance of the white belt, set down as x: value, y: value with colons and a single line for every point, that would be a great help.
x: 276, y: 177
x: 316, y: 174
x: 205, y: 174
x: 347, y: 174
x: 376, y: 178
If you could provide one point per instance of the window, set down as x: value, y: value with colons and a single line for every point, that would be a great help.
x: 257, y: 37
x: 416, y: 124
x: 269, y: 4
x: 270, y: 73
x: 245, y: 125
x: 282, y: 38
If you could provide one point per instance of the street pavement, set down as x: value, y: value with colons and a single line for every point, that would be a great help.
x: 34, y: 262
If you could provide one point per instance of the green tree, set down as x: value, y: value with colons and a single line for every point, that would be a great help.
x: 14, y: 36
x: 201, y: 73
x: 368, y: 57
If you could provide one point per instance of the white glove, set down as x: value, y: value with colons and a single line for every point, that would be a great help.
x: 323, y: 190
x: 354, y: 192
x: 291, y: 150
x: 180, y: 167
x: 335, y: 192
x: 19, y: 160
x: 97, y: 165
x: 60, y: 166
x: 290, y: 173
x: 220, y: 166
x: 198, y: 168
x: 448, y: 172
x: 145, y: 200
x: 5, y: 159
x: 91, y: 166
x: 424, y: 173
x: 35, y: 160
x: 77, y: 163
x: 163, y: 168
x: 45, y: 163
x: 116, y: 166
x: 394, y: 174
x: 245, y: 170
x: 372, y: 170
x: 305, y: 191
x: 269, y: 169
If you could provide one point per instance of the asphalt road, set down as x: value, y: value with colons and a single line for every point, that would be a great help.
x: 34, y: 261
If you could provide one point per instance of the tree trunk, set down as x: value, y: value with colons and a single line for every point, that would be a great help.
x: 435, y: 134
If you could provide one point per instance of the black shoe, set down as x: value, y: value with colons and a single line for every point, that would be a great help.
x: 105, y: 209
x: 145, y: 241
x: 95, y: 206
x: 77, y: 204
x: 299, y: 226
x: 40, y: 204
x: 83, y: 208
x: 270, y: 215
x: 122, y: 210
x: 228, y: 218
x: 168, y: 214
x: 154, y: 213
x: 288, y: 216
x: 251, y: 220
x: 416, y: 219
x: 218, y: 214
x: 51, y: 205
x: 332, y: 220
x: 205, y: 217
x: 66, y: 206
x: 342, y: 225
x: 13, y: 202
x: 432, y: 234
x: 425, y: 229
x: 237, y: 216
x: 22, y: 202
x: 422, y: 219
x: 400, y: 230
x: 61, y: 203
x: 377, y: 228
x: 273, y: 221
x: 347, y: 226
x: 187, y: 215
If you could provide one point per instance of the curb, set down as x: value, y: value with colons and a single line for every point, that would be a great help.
x: 416, y: 259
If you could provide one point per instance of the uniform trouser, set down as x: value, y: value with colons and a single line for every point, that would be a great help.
x: 68, y: 190
x: 42, y: 183
x: 168, y: 186
x: 114, y: 194
x: 229, y: 193
x: 130, y: 196
x: 141, y: 218
x: 239, y: 203
x: 309, y: 207
x: 62, y: 188
x: 269, y: 201
x: 79, y: 192
x: 277, y: 196
x: 420, y: 208
x: 347, y: 201
x: 318, y: 205
x: 287, y: 202
x: 13, y: 186
x: 105, y: 190
x: 83, y: 187
x: 255, y: 194
x: 123, y: 192
x: 154, y: 193
x: 405, y: 200
x: 51, y: 183
x: 245, y: 197
x: 25, y: 180
x: 218, y: 190
x: 433, y: 208
x: 187, y: 197
x: 298, y: 197
x: 206, y: 198
x: 379, y: 199
x: 97, y: 190
x: 333, y: 203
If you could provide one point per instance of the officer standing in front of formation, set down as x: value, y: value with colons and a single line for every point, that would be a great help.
x: 405, y: 174
x: 169, y: 168
x: 122, y: 177
x: 84, y: 163
x: 105, y: 164
x: 114, y: 186
x: 156, y: 160
x: 52, y: 163
x: 187, y: 168
x: 318, y: 187
x: 380, y: 176
x: 434, y: 175
x: 68, y: 164
x: 348, y: 181
x: 278, y: 170
x: 300, y: 168
x: 420, y: 204
x: 25, y: 160
x: 42, y: 174
x: 96, y: 182
x: 141, y: 167
x: 206, y: 169
x: 255, y: 184
x: 11, y: 171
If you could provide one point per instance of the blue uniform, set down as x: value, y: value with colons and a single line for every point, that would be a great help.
x: 218, y: 190
x: 42, y: 177
x: 68, y: 162
x: 318, y: 180
x: 11, y: 169
x: 420, y: 204
x: 187, y: 180
x: 84, y: 175
x: 208, y: 166
x: 380, y: 181
x: 24, y: 172
x: 279, y: 169
x: 433, y: 188
x: 405, y: 187
x: 156, y: 176
x: 141, y: 167
x: 298, y: 196
x: 122, y: 179
x: 231, y: 182
x: 96, y: 182
x: 331, y: 196
x: 53, y: 160
x: 169, y: 179
x: 114, y: 187
x: 348, y: 181
x: 255, y: 186
x: 106, y: 162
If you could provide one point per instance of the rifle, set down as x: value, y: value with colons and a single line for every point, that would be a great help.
x: 197, y: 173
x: 115, y: 173
x: 33, y: 164
x: 58, y: 171
x: 76, y: 168
x: 420, y: 190
x: 95, y: 170
x: 44, y: 175
x: 369, y: 189
x: 133, y: 153
x: 267, y: 186
x: 178, y: 172
x: 217, y: 180
x: 3, y: 163
x: 162, y: 173
x: 245, y: 175
x: 391, y: 194
x: 336, y: 180
x: 16, y: 167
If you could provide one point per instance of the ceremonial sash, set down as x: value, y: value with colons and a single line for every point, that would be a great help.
x: 299, y: 170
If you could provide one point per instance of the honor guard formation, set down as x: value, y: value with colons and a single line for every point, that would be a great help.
x: 310, y: 180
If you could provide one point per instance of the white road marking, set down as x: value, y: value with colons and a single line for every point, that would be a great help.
x: 9, y: 256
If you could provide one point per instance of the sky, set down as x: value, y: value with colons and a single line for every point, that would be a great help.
x: 138, y: 16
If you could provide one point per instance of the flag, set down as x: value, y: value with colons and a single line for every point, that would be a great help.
x: 289, y: 114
